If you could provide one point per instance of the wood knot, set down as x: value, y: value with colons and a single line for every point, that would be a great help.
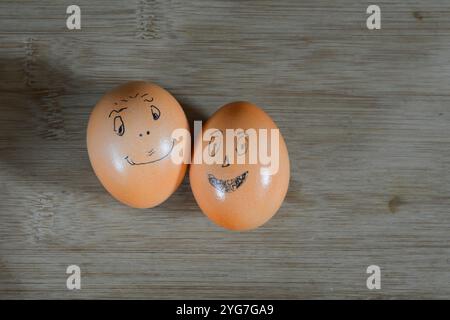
x: 418, y: 15
x: 394, y: 203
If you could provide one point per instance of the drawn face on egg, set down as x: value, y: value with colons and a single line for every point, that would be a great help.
x: 238, y: 195
x: 224, y: 185
x: 134, y: 118
x: 129, y: 140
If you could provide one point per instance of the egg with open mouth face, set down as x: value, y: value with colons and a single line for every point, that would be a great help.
x: 129, y: 141
x: 240, y: 167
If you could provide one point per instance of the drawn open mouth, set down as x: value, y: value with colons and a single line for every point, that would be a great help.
x: 150, y: 153
x: 229, y: 185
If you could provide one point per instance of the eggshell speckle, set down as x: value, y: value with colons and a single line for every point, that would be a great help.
x: 239, y: 196
x: 129, y: 143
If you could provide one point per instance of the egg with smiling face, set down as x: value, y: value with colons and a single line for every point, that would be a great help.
x: 129, y: 141
x: 240, y: 171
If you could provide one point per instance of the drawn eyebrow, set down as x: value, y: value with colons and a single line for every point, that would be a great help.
x: 145, y: 94
x: 131, y: 97
x: 121, y: 109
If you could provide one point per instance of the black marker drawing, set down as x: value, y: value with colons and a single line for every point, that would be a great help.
x: 150, y: 153
x: 119, y: 126
x: 229, y: 185
x: 155, y: 112
x: 118, y: 111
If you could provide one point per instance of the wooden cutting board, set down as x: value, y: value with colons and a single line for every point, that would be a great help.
x: 365, y: 115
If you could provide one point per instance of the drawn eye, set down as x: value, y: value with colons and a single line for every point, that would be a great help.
x: 241, y: 144
x: 214, y: 145
x: 119, y: 127
x: 155, y: 112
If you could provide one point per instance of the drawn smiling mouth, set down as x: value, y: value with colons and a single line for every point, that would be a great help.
x: 229, y: 185
x: 150, y: 153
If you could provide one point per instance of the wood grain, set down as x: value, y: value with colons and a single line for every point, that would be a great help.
x: 365, y: 114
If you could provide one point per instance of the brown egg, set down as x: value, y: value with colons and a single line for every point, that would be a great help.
x: 245, y: 195
x: 129, y: 141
